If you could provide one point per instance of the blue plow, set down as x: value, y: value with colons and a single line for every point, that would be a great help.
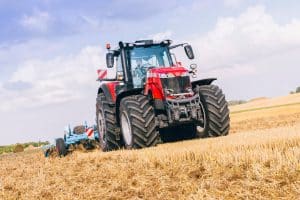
x: 83, y: 136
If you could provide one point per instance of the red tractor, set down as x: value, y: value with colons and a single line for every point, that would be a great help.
x: 152, y: 98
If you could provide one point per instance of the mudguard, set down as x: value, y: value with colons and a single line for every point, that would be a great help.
x: 206, y: 81
x: 109, y: 90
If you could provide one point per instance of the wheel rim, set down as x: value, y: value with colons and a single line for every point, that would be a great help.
x: 201, y: 129
x: 126, y: 128
x: 101, y: 127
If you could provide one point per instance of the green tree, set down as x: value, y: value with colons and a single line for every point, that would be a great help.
x: 298, y: 90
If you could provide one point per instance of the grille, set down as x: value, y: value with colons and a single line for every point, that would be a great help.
x: 178, y: 84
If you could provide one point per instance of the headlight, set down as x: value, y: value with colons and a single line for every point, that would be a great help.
x: 170, y: 75
x: 169, y: 92
x: 185, y: 74
x: 163, y: 76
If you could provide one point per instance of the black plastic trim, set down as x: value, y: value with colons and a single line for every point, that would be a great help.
x: 206, y: 81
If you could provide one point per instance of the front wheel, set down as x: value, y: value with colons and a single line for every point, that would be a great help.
x: 138, y: 125
x: 215, y: 112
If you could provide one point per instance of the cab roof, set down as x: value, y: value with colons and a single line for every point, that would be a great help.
x: 144, y: 43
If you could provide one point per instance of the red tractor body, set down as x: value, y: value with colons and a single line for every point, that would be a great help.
x: 155, y: 81
x: 151, y: 93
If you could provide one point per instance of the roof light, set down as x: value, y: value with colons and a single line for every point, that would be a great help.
x: 146, y: 42
x: 166, y: 42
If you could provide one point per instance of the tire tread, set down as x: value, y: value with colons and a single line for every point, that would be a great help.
x: 141, y: 114
x: 217, y: 110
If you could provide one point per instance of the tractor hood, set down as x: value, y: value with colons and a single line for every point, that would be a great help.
x: 168, y: 82
x: 165, y: 72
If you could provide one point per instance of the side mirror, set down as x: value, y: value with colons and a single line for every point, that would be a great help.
x: 110, y: 60
x: 189, y: 51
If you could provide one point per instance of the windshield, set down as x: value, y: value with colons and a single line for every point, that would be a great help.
x: 143, y: 58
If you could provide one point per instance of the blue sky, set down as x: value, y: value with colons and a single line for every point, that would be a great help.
x: 50, y: 51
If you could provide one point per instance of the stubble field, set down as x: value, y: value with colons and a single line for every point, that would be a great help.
x: 259, y: 159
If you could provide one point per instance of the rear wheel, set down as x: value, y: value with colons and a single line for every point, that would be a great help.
x: 215, y: 112
x: 137, y: 120
x: 109, y: 134
x: 61, y: 147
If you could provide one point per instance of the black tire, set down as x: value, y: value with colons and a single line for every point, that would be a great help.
x: 61, y: 147
x: 216, y: 112
x: 109, y: 131
x: 79, y: 130
x: 140, y: 117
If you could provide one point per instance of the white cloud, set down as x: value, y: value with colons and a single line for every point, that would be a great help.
x: 250, y: 51
x: 52, y: 79
x: 56, y: 80
x: 233, y: 48
x: 239, y: 41
x: 38, y: 21
x: 161, y: 35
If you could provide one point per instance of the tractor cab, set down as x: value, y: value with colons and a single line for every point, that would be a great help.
x: 144, y: 58
x: 137, y: 63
